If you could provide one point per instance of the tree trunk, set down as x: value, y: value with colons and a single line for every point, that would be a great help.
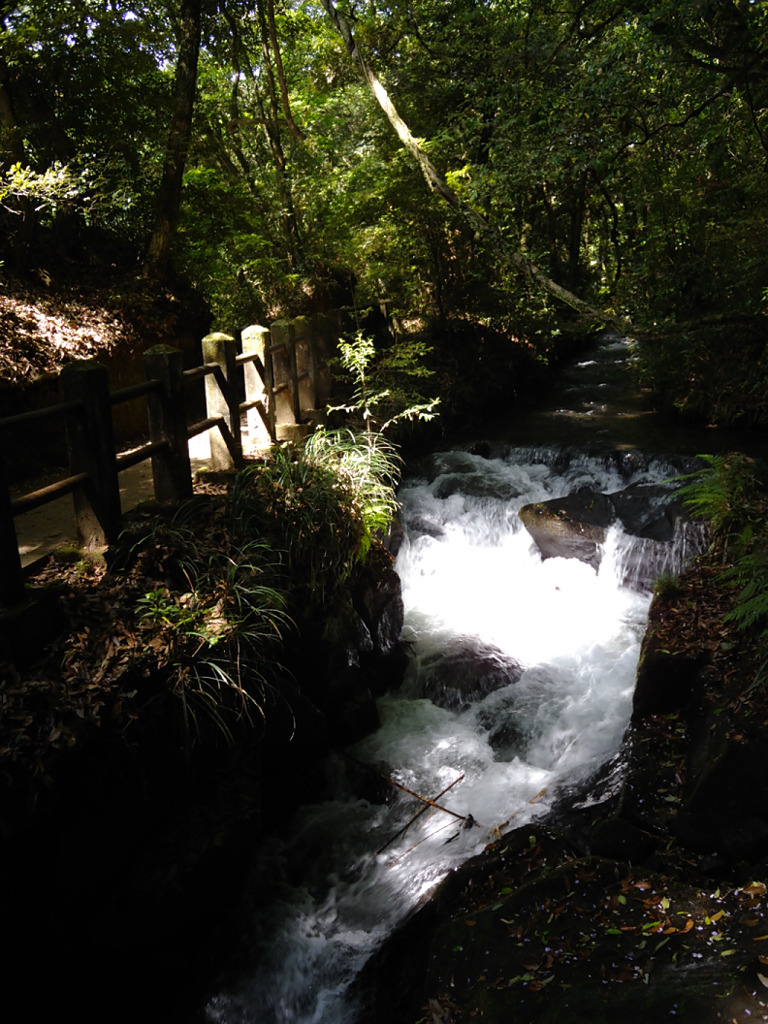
x: 292, y: 126
x: 438, y: 185
x: 169, y: 193
x: 272, y: 123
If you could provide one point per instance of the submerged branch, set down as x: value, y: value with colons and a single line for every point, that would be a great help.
x: 417, y: 815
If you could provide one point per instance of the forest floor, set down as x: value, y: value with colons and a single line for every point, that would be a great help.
x: 42, y: 328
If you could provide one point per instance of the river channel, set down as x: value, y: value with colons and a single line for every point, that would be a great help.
x: 552, y: 648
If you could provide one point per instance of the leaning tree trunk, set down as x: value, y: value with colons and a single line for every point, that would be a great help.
x: 292, y: 126
x: 169, y: 193
x: 438, y: 185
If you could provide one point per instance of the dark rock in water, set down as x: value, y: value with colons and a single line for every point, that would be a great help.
x: 351, y: 707
x: 355, y: 653
x: 646, y: 510
x: 466, y: 672
x: 666, y: 682
x: 483, y: 449
x: 378, y: 600
x: 507, y: 740
x: 575, y: 526
x: 393, y: 540
x: 475, y: 485
x: 419, y: 524
x: 570, y: 527
x: 629, y: 461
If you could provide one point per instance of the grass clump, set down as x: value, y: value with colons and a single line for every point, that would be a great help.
x: 210, y: 612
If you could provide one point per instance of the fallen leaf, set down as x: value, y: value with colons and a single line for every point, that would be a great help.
x: 755, y: 889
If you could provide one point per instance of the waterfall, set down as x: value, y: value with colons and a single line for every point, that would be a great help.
x: 519, y: 688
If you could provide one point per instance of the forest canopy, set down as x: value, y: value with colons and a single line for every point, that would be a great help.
x: 617, y: 152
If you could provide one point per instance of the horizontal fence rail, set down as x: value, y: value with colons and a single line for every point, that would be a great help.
x: 277, y: 379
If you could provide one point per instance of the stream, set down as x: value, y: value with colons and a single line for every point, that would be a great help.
x: 519, y: 688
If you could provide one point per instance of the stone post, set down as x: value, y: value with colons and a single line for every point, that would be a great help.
x: 286, y: 392
x: 91, y: 443
x: 225, y: 402
x: 259, y: 384
x: 306, y: 364
x: 324, y: 342
x: 171, y: 470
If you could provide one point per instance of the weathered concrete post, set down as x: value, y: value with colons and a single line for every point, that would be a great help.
x: 11, y: 573
x: 324, y: 341
x: 259, y: 385
x: 287, y: 409
x: 306, y: 364
x: 91, y: 443
x: 222, y: 350
x: 171, y: 470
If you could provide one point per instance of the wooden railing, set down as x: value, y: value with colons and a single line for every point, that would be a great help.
x: 276, y: 379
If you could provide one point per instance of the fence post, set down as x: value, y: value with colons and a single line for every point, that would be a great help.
x: 171, y: 470
x: 222, y: 350
x: 91, y: 443
x: 284, y: 362
x: 324, y: 338
x: 11, y: 572
x: 259, y: 385
x: 306, y: 365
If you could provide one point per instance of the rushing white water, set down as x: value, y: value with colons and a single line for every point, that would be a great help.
x: 555, y: 642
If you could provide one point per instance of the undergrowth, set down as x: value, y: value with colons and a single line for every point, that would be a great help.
x: 730, y: 493
x: 230, y: 576
x: 212, y: 617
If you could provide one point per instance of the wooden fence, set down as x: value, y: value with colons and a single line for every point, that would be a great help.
x: 273, y: 381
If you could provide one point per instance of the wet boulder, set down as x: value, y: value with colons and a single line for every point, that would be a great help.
x: 648, y: 511
x: 464, y: 672
x: 573, y: 526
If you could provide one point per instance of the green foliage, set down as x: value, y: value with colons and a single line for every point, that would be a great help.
x: 213, y: 619
x: 321, y: 505
x: 622, y: 150
x: 309, y: 515
x: 730, y: 493
x: 750, y: 574
x: 55, y: 187
x: 402, y: 364
x: 88, y: 88
x: 686, y: 371
x: 666, y: 585
x: 368, y: 468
